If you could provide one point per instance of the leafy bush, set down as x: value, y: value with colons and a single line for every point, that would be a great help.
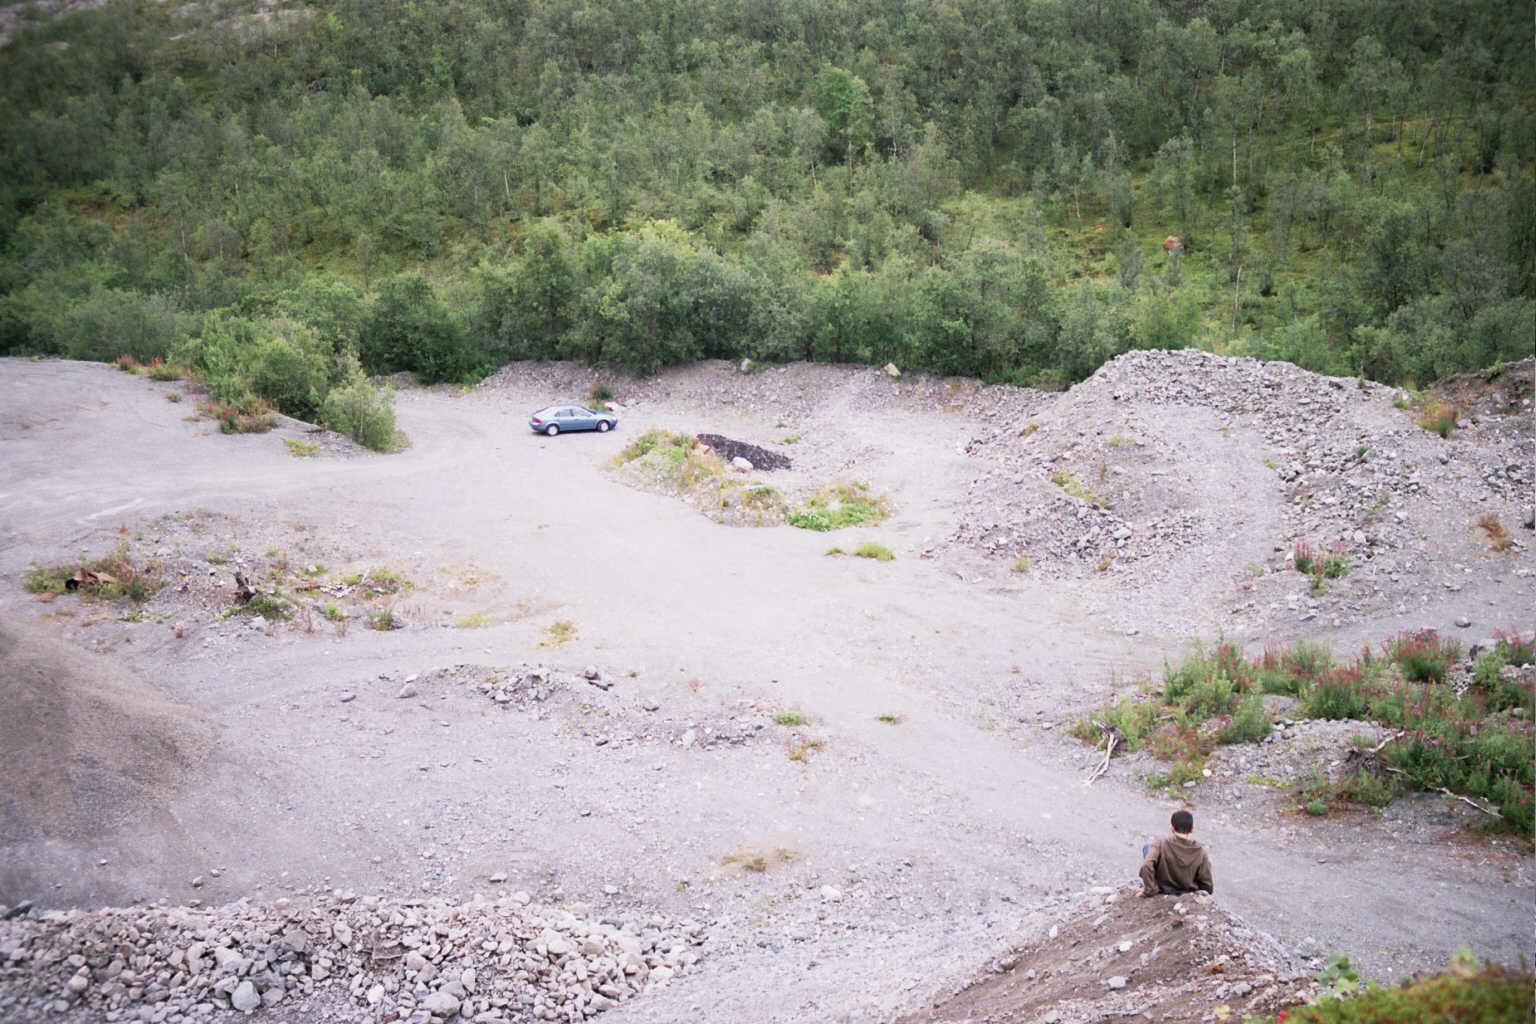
x: 1249, y: 723
x: 1424, y: 656
x: 364, y: 413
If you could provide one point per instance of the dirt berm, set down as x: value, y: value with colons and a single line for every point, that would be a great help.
x: 1113, y: 956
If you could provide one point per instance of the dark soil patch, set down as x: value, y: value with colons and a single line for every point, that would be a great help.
x: 761, y: 458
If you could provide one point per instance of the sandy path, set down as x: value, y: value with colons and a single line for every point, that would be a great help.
x: 940, y: 831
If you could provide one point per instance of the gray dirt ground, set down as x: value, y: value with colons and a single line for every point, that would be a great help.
x: 939, y: 834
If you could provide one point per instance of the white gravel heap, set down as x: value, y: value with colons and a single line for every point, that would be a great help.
x: 384, y: 960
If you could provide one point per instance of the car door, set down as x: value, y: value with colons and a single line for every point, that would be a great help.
x: 582, y: 419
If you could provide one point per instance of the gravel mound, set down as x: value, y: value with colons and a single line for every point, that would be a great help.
x: 87, y: 745
x: 417, y: 960
x: 761, y: 458
x: 1115, y: 956
x: 1208, y: 469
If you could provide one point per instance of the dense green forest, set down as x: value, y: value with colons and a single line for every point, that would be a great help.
x: 977, y: 187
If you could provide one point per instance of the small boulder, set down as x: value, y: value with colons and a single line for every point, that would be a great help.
x: 245, y: 997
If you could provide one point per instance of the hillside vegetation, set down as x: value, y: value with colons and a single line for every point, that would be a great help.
x: 287, y: 198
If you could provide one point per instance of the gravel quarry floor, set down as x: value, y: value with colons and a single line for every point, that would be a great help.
x: 850, y: 775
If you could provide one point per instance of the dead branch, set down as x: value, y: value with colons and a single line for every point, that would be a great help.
x: 1112, y: 739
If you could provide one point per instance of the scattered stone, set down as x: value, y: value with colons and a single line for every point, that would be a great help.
x: 407, y: 691
x: 348, y: 698
x: 1117, y: 982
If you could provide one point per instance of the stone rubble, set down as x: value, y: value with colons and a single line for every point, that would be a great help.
x: 417, y: 961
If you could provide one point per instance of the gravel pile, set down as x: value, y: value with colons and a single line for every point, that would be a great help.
x: 595, y: 705
x: 1160, y: 453
x: 730, y: 451
x: 417, y: 961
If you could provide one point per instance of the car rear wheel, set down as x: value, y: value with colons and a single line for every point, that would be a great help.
x: 551, y: 430
x: 602, y: 426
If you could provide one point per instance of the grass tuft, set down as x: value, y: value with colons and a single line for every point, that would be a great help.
x: 301, y: 449
x: 879, y: 552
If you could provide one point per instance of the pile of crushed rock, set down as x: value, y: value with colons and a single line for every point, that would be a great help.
x: 1162, y: 454
x: 419, y: 961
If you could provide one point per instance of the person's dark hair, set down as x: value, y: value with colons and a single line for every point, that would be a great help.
x: 1183, y: 822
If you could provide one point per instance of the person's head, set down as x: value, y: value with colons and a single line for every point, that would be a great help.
x: 1183, y: 823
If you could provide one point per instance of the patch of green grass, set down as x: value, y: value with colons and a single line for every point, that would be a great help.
x: 333, y: 612
x: 557, y: 634
x: 1073, y: 487
x: 301, y: 449
x: 890, y: 718
x: 173, y: 396
x: 790, y: 718
x: 790, y: 439
x: 838, y: 506
x: 870, y: 549
x: 472, y: 620
x: 835, y: 551
x: 1023, y: 564
x: 1028, y: 429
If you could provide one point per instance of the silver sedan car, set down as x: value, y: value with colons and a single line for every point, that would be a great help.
x: 557, y: 419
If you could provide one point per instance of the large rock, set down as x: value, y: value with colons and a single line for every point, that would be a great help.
x: 245, y: 998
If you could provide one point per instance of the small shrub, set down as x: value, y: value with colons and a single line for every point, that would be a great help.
x: 383, y: 620
x: 838, y: 506
x: 1438, y: 418
x: 42, y: 579
x: 870, y: 549
x: 128, y: 364
x: 1423, y: 656
x: 333, y: 612
x: 244, y: 415
x: 1249, y: 723
x: 1303, y: 558
x: 835, y: 552
x: 1498, y: 537
x: 173, y: 396
x: 160, y: 370
x: 1023, y: 564
x: 790, y: 718
x: 301, y: 449
x: 599, y: 397
x: 272, y: 607
x: 363, y: 413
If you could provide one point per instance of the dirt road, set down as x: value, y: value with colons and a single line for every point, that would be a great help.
x: 896, y: 854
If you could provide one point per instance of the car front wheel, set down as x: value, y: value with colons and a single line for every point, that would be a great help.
x: 551, y: 430
x: 602, y: 426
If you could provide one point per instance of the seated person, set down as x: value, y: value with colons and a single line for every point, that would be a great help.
x: 1176, y: 864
